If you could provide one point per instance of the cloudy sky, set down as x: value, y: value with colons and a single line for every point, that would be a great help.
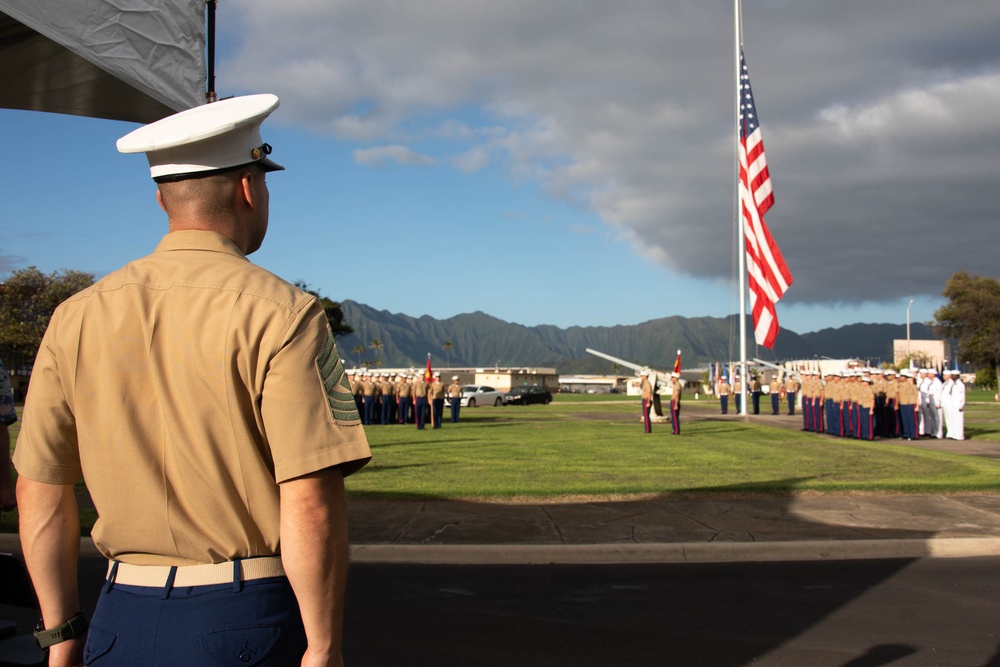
x: 571, y: 162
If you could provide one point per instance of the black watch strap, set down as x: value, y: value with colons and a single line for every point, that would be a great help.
x: 71, y: 629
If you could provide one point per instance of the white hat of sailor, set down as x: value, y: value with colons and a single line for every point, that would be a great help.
x: 211, y: 137
x: 454, y: 377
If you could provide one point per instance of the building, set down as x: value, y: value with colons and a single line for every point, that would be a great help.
x: 933, y: 353
x: 592, y: 384
x: 507, y: 378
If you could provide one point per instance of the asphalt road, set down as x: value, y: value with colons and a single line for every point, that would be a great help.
x: 853, y: 614
x: 929, y: 612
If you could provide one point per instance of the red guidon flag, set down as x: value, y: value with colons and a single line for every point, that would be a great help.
x: 767, y: 274
x: 677, y: 363
x: 428, y: 375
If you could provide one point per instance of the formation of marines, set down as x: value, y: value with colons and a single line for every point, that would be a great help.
x: 402, y: 398
x: 787, y: 390
x: 866, y: 403
x: 869, y: 403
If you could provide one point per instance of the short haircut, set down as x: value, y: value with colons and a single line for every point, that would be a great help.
x: 210, y: 194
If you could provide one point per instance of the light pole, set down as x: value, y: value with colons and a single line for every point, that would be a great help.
x: 909, y: 359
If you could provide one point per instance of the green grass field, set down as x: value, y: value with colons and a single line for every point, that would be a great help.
x: 593, y: 446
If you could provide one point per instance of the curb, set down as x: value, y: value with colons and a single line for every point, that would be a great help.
x: 711, y: 552
x: 625, y: 554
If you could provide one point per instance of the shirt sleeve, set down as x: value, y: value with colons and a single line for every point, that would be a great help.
x: 307, y: 406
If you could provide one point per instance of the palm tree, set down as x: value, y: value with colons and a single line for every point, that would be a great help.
x: 376, y: 345
x: 359, y: 350
x: 447, y: 347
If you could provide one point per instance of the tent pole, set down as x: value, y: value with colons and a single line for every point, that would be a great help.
x: 210, y: 95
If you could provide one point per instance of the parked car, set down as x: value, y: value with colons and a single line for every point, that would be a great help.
x: 473, y: 395
x: 526, y: 395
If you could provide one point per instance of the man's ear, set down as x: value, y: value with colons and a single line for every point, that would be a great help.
x: 159, y: 200
x: 246, y: 192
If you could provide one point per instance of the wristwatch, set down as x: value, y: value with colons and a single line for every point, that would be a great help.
x: 71, y: 629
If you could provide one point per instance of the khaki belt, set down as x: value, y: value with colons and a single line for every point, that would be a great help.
x: 198, y: 575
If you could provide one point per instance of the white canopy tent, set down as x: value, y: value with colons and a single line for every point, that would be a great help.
x: 126, y: 60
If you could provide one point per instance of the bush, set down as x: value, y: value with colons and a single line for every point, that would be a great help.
x: 986, y: 378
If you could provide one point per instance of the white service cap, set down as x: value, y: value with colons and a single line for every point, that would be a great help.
x: 208, y: 138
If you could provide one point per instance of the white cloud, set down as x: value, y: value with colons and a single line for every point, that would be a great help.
x: 879, y: 118
x: 472, y: 160
x: 383, y: 155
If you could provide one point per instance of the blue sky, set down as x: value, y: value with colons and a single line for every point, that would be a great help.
x: 571, y: 165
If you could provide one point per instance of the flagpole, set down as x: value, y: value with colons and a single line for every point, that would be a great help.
x: 741, y: 240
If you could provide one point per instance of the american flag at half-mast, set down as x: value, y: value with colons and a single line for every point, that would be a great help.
x: 767, y: 274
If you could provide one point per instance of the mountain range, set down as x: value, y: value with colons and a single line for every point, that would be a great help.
x: 480, y: 340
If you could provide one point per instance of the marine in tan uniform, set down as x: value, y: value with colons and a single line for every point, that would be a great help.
x: 435, y: 394
x: 891, y: 413
x: 403, y: 401
x: 676, y: 393
x: 775, y: 391
x: 203, y: 401
x: 419, y: 391
x: 866, y: 408
x: 385, y: 389
x: 791, y: 391
x: 454, y: 394
x: 646, y: 389
x: 369, y: 390
x: 722, y: 390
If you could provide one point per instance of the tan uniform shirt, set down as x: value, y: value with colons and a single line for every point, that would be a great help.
x: 184, y: 387
x: 435, y: 390
x: 646, y: 389
x: 419, y: 389
x: 403, y: 389
x: 455, y: 390
x: 866, y: 396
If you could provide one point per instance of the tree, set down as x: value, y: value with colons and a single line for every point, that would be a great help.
x: 27, y: 300
x: 334, y: 313
x: 972, y: 317
x: 447, y: 347
x: 359, y: 350
x: 986, y: 378
x: 377, y: 346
